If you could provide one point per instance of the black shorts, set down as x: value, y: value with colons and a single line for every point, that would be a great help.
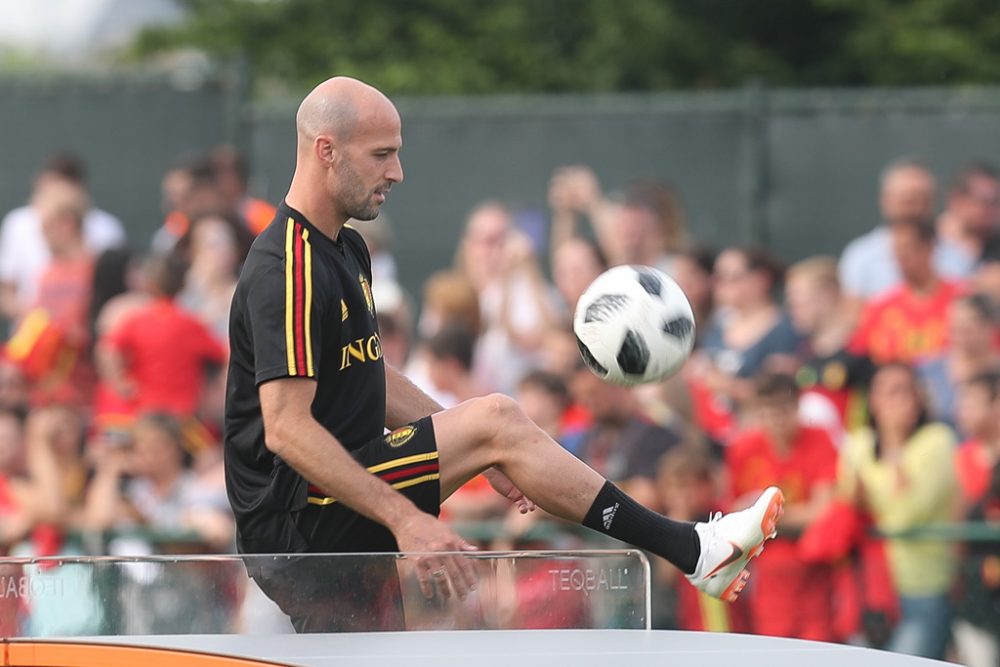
x: 407, y: 459
x: 363, y: 594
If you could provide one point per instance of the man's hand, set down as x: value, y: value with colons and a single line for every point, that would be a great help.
x: 423, y: 535
x: 502, y: 485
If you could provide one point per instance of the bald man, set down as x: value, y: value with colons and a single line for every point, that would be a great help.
x: 307, y: 466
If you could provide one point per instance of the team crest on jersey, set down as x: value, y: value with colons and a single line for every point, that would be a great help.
x: 400, y: 436
x: 367, y: 290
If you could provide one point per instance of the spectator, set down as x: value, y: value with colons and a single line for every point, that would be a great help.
x: 449, y: 299
x: 749, y: 326
x: 977, y: 636
x: 972, y: 220
x: 622, y: 444
x: 157, y: 358
x: 60, y: 429
x: 907, y: 323
x: 28, y: 496
x: 28, y: 479
x: 233, y: 177
x: 193, y: 190
x: 687, y: 481
x: 575, y: 264
x: 514, y: 298
x: 13, y: 387
x: 645, y: 227
x: 831, y: 378
x: 378, y: 238
x: 545, y: 398
x: 901, y: 471
x: 692, y: 269
x: 986, y: 279
x: 868, y: 266
x: 119, y: 290
x: 790, y: 598
x: 215, y: 260
x: 114, y: 275
x: 394, y: 328
x: 24, y: 253
x: 449, y: 368
x: 160, y: 492
x: 979, y: 420
x: 972, y: 328
x: 60, y: 309
x: 574, y: 191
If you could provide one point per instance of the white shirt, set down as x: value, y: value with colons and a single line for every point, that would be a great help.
x: 868, y: 267
x: 24, y: 253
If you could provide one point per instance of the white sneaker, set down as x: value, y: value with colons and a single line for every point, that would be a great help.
x: 729, y: 542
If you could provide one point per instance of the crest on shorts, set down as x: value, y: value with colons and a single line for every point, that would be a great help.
x: 367, y: 290
x: 400, y: 436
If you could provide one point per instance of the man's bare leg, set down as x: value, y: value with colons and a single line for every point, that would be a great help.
x: 493, y: 431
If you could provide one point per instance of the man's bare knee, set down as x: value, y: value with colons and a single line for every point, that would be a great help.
x: 498, y: 415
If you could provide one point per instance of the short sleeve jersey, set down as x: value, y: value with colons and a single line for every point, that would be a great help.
x: 303, y: 308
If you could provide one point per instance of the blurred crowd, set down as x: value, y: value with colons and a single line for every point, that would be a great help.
x: 865, y: 385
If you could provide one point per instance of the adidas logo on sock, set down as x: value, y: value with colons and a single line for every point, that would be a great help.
x: 609, y: 515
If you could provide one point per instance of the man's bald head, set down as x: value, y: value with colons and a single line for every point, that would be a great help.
x: 336, y: 107
x: 349, y: 138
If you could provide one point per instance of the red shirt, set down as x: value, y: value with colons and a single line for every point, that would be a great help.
x: 904, y: 326
x: 790, y: 597
x: 974, y: 468
x: 754, y: 464
x: 64, y: 290
x: 166, y: 351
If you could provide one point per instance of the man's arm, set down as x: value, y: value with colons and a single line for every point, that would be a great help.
x: 291, y: 432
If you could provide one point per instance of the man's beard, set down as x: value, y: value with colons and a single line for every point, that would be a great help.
x: 358, y: 204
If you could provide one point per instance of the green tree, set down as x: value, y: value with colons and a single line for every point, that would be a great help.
x: 480, y: 46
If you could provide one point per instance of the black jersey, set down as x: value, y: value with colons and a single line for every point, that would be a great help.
x: 303, y: 308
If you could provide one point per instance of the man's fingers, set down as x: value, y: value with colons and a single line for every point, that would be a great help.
x: 423, y: 577
x: 466, y: 569
x: 440, y: 576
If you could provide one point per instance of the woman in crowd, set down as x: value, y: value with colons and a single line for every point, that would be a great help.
x: 212, y: 271
x: 575, y: 264
x: 901, y: 471
x: 515, y: 301
x: 749, y: 328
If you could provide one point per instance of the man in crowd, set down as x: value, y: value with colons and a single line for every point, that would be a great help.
x: 867, y: 266
x: 24, y: 253
x: 909, y: 322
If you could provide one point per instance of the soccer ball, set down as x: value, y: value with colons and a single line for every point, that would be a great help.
x: 634, y: 325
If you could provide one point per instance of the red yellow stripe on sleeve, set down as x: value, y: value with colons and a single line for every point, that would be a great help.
x: 298, y: 300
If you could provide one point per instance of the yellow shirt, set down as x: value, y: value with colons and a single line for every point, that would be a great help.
x: 920, y: 489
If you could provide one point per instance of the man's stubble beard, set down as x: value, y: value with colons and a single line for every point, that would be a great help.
x: 356, y: 197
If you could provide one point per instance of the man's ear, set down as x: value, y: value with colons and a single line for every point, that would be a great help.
x: 324, y: 149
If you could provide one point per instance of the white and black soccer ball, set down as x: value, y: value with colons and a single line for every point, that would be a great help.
x: 634, y: 324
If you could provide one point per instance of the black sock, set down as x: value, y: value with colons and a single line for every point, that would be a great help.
x: 614, y: 513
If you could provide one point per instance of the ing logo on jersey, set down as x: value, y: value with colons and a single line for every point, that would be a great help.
x: 343, y: 311
x: 367, y: 290
x: 400, y: 436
